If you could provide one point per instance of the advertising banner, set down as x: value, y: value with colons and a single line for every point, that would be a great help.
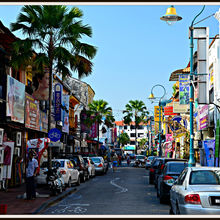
x: 209, y: 146
x: 32, y: 112
x: 65, y: 114
x: 211, y: 77
x: 43, y: 121
x: 15, y: 99
x: 203, y: 116
x: 58, y: 90
x: 184, y: 89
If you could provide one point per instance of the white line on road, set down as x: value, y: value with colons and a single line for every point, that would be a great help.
x: 120, y: 187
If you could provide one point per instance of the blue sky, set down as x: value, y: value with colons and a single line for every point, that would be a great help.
x: 136, y: 50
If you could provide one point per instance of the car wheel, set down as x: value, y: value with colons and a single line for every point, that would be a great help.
x: 158, y: 194
x: 88, y: 176
x: 69, y: 182
x: 177, y: 209
x: 161, y: 197
x: 78, y: 181
x: 150, y: 181
x: 171, y: 211
x: 83, y: 178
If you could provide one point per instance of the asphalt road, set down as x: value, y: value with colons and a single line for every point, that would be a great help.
x: 124, y: 192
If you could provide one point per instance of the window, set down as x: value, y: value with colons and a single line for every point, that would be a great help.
x: 132, y: 127
x: 140, y: 134
x: 141, y: 127
x: 132, y: 142
x: 125, y: 127
x: 202, y: 177
x: 182, y: 177
x: 132, y: 134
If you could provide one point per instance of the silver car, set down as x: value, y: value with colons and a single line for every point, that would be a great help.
x: 100, y: 165
x: 196, y: 192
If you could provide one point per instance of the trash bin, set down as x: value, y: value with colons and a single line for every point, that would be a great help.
x: 3, y: 208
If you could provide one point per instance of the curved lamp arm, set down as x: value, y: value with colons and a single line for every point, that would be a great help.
x: 160, y: 86
x: 197, y: 16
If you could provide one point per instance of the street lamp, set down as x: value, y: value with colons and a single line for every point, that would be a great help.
x: 191, y: 99
x: 151, y: 97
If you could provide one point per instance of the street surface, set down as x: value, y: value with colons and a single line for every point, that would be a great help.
x: 124, y: 192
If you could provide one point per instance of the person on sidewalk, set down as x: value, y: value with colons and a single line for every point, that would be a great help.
x: 31, y: 172
x: 114, y: 162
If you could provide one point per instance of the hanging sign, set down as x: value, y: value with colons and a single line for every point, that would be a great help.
x: 58, y: 89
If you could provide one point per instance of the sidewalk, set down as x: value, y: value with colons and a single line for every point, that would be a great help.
x: 17, y: 205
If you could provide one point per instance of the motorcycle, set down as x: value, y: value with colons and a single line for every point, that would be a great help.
x: 55, y: 181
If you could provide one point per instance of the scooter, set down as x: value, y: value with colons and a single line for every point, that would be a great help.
x: 55, y: 181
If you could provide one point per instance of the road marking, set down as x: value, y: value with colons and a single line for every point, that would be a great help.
x: 68, y: 208
x: 120, y: 187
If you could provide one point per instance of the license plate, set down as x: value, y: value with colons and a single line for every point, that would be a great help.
x: 215, y: 200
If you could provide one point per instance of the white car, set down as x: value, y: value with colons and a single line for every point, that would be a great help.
x: 90, y: 166
x: 196, y: 192
x: 69, y: 174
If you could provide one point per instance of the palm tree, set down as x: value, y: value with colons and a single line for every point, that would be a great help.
x: 100, y: 113
x: 135, y: 110
x: 55, y: 33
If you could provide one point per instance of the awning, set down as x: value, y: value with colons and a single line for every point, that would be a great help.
x: 129, y: 148
x: 175, y: 74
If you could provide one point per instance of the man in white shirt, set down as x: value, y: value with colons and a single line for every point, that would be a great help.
x: 31, y: 172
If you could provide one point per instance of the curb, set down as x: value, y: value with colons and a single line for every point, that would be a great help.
x: 54, y: 200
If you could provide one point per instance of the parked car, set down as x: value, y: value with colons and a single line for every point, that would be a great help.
x: 153, y: 169
x: 100, y: 165
x: 196, y: 192
x: 161, y: 166
x: 66, y: 168
x: 89, y: 164
x: 149, y: 161
x: 140, y: 159
x: 132, y: 156
x: 80, y: 166
x: 169, y: 174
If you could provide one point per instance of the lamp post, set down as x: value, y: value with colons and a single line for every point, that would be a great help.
x: 151, y: 97
x: 191, y: 99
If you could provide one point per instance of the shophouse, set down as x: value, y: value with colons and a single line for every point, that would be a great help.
x: 142, y: 132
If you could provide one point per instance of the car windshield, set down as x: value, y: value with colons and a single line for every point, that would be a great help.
x: 205, y: 177
x: 140, y: 156
x: 44, y: 164
x: 96, y: 159
x: 176, y: 167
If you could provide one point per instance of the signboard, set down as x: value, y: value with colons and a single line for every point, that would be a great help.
x: 177, y: 108
x: 32, y: 112
x: 184, y: 89
x: 15, y: 99
x: 211, y: 77
x: 169, y: 110
x: 54, y: 134
x: 58, y: 89
x: 156, y: 113
x: 203, y: 116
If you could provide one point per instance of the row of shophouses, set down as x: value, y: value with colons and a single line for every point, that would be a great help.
x: 176, y: 118
x: 24, y: 119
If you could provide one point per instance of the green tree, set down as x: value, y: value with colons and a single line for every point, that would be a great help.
x: 55, y: 33
x: 142, y: 143
x: 99, y: 112
x: 135, y: 111
x: 123, y: 139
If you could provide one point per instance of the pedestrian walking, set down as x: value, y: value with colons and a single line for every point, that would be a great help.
x: 128, y: 160
x: 114, y: 162
x: 119, y: 160
x: 31, y: 172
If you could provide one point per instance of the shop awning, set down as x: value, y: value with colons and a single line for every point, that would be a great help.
x: 129, y: 148
x: 174, y: 76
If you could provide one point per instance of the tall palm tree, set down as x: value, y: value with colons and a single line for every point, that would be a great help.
x: 99, y: 112
x: 55, y: 32
x: 135, y: 110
